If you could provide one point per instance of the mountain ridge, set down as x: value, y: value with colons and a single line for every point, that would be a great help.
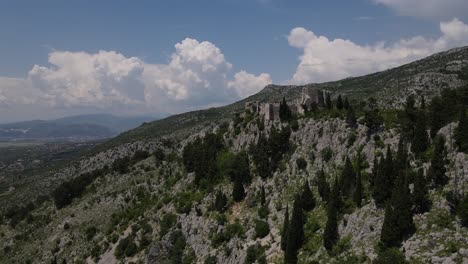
x: 447, y: 69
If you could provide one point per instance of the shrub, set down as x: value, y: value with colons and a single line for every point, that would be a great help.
x: 263, y: 212
x: 167, y: 222
x: 126, y: 247
x: 232, y: 230
x: 185, y: 201
x: 301, y: 163
x: 390, y: 256
x: 262, y: 229
x: 294, y: 125
x: 90, y: 232
x: 255, y: 253
x: 327, y: 154
x: 211, y: 260
x: 463, y: 211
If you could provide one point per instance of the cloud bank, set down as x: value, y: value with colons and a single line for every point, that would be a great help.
x: 324, y: 59
x: 196, y: 76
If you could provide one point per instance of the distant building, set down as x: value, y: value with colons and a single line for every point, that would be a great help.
x: 270, y: 111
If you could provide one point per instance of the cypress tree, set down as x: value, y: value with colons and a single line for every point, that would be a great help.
x: 307, y: 198
x: 220, y: 201
x: 262, y: 196
x: 260, y: 157
x: 321, y: 100
x: 284, y: 111
x: 328, y: 102
x: 351, y: 120
x: 330, y: 235
x: 339, y: 103
x: 375, y: 171
x: 238, y: 192
x: 401, y: 160
x: 295, y: 233
x: 398, y: 222
x: 409, y: 117
x: 420, y: 139
x: 461, y: 133
x: 358, y: 192
x: 423, y: 103
x: 284, y: 233
x: 436, y: 110
x: 323, y: 188
x: 348, y: 180
x: 438, y: 162
x: 384, y: 180
x: 422, y: 203
x: 346, y: 103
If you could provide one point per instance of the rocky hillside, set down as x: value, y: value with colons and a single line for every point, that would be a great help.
x: 213, y: 187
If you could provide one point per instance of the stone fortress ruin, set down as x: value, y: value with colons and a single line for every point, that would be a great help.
x: 270, y: 111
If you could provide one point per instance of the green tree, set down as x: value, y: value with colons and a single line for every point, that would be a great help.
x: 375, y: 172
x: 220, y: 201
x: 401, y: 160
x: 284, y: 232
x: 346, y: 103
x: 358, y: 191
x: 262, y: 195
x: 351, y: 120
x: 295, y: 232
x: 420, y: 139
x: 390, y: 256
x: 330, y: 235
x: 398, y: 222
x: 463, y: 211
x: 238, y: 192
x: 372, y: 118
x: 461, y: 132
x: 284, y: 111
x: 307, y: 198
x: 437, y: 169
x: 339, y: 102
x: 328, y: 102
x: 348, y: 180
x: 323, y: 187
x: 422, y: 203
x: 408, y: 117
x: 436, y: 118
x: 384, y: 180
x: 260, y: 156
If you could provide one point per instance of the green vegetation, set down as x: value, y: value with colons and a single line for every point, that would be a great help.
x: 262, y: 229
x: 330, y: 235
x: 307, y: 198
x: 268, y: 153
x: 461, y: 133
x: 295, y: 232
x: 390, y: 256
x: 200, y: 157
x: 167, y: 222
x: 398, y: 222
x: 230, y: 231
x: 439, y: 160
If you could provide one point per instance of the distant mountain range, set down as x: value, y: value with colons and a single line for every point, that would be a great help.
x: 80, y: 127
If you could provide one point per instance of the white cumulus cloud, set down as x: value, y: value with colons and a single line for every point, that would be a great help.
x: 247, y: 84
x: 196, y: 76
x: 326, y: 59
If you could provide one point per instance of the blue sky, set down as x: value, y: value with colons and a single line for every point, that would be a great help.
x: 251, y: 34
x: 62, y: 57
